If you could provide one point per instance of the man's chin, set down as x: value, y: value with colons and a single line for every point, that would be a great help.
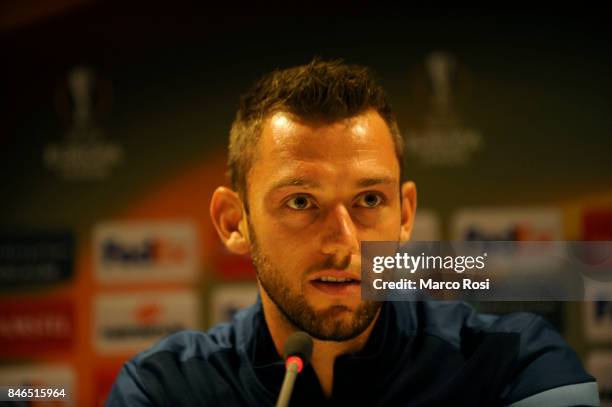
x: 336, y: 331
x: 341, y: 323
x: 336, y: 311
x: 322, y: 303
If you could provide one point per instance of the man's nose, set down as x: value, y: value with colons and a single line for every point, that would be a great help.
x: 340, y: 237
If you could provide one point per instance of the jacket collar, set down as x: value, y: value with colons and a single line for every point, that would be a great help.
x: 348, y: 369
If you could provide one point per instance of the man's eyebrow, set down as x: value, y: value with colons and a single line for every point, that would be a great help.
x: 294, y: 182
x: 370, y: 182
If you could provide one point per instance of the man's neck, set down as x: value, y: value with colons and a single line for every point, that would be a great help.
x: 324, y: 352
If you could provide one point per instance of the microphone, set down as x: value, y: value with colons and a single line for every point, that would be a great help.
x: 298, y: 350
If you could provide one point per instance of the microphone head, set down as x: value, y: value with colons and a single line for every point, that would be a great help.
x: 299, y: 344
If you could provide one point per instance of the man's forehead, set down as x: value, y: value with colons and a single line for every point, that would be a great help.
x: 354, y: 153
x: 286, y: 137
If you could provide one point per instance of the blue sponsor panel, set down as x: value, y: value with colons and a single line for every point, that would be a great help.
x: 36, y: 258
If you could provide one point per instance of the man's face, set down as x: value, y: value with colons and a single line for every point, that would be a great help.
x: 315, y: 191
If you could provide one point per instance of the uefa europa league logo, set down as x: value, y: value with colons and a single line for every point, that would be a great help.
x: 443, y: 139
x: 84, y: 154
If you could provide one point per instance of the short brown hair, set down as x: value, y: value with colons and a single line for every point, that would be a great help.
x: 321, y: 91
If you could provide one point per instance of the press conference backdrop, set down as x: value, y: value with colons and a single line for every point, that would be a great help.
x: 114, y: 137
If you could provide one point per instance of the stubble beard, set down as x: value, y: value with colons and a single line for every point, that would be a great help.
x: 330, y: 324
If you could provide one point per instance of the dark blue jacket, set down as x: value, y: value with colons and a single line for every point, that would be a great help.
x: 419, y: 354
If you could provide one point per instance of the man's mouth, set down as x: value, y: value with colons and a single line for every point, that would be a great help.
x: 329, y: 279
x: 336, y: 285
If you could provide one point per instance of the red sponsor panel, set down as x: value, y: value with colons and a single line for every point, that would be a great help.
x: 34, y: 327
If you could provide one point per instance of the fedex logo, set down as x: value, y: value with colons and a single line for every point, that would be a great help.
x: 146, y: 251
x: 520, y: 232
x: 507, y: 224
x: 149, y: 251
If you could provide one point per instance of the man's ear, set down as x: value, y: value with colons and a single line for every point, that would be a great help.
x: 227, y: 214
x: 409, y: 205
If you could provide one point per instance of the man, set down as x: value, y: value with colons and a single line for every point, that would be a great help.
x: 315, y: 161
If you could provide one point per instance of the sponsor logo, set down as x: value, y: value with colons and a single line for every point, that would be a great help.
x: 36, y: 326
x: 154, y: 250
x: 133, y: 322
x: 145, y: 251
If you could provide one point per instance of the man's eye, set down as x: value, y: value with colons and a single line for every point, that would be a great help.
x: 299, y: 202
x: 369, y: 200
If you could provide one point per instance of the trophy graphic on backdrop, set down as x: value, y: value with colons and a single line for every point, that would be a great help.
x: 84, y: 154
x: 440, y: 66
x: 81, y: 84
x: 443, y: 140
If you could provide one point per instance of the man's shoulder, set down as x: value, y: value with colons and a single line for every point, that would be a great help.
x: 451, y: 320
x: 527, y: 351
x: 169, y: 371
x: 461, y: 327
x: 187, y: 344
